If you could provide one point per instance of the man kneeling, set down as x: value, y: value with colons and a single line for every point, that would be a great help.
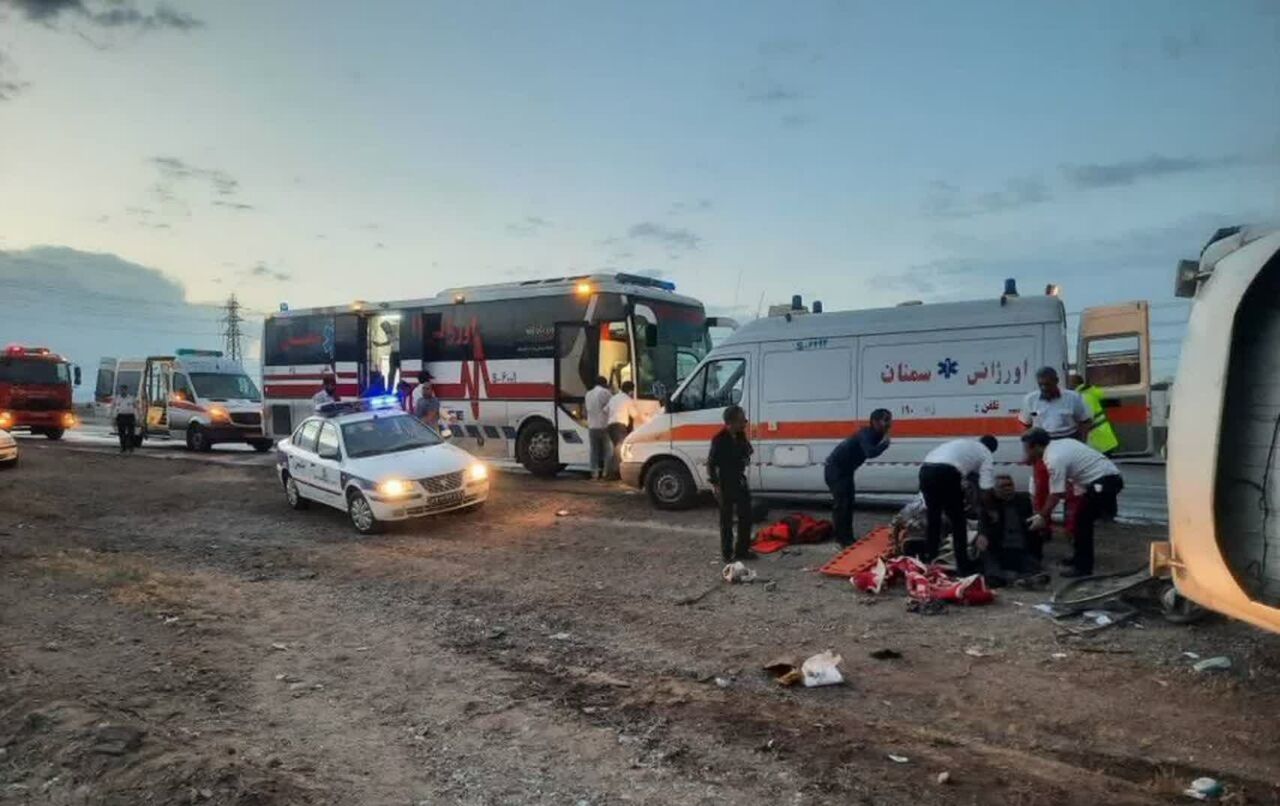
x: 1010, y: 551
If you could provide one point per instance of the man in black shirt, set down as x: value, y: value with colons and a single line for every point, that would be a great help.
x: 844, y: 460
x: 727, y: 465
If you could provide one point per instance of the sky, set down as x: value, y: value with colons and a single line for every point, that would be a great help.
x: 859, y: 153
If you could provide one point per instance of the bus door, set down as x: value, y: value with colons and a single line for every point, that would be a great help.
x: 383, y: 342
x: 575, y: 372
x: 1113, y: 352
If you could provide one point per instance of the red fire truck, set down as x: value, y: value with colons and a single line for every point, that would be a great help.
x: 35, y: 391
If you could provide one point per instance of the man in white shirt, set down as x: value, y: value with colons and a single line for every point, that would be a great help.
x: 622, y: 413
x: 124, y: 409
x: 941, y: 483
x: 1073, y: 465
x: 328, y: 390
x: 1063, y: 414
x: 597, y: 406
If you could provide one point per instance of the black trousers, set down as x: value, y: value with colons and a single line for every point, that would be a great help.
x: 125, y: 425
x: 1099, y: 501
x: 735, y: 503
x: 617, y: 433
x: 842, y: 491
x: 943, y: 494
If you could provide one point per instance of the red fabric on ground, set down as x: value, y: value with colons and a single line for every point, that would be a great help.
x: 794, y: 528
x: 924, y: 583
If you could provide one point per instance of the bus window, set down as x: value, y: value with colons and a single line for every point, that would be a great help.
x: 671, y: 341
x: 615, y: 353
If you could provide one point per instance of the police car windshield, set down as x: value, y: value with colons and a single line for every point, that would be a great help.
x: 391, y: 434
x: 220, y: 386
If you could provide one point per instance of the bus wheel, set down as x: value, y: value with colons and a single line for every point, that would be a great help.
x: 198, y: 440
x: 54, y: 433
x: 670, y: 486
x: 537, y: 449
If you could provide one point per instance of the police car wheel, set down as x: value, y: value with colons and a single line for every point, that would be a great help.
x: 670, y: 486
x: 361, y: 514
x: 293, y: 494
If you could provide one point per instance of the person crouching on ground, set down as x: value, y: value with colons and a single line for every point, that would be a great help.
x: 844, y: 460
x: 1009, y: 550
x: 942, y: 485
x: 1073, y: 464
x: 727, y: 465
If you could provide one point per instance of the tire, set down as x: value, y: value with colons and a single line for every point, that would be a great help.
x: 538, y: 449
x: 198, y: 440
x: 261, y: 445
x: 9, y: 465
x: 1178, y: 609
x: 293, y: 495
x: 54, y: 433
x: 361, y: 514
x: 670, y: 486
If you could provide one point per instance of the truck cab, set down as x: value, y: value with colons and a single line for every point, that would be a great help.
x: 202, y: 398
x: 35, y: 391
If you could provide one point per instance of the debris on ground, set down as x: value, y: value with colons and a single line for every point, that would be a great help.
x: 560, y: 636
x: 886, y: 654
x: 925, y: 583
x: 116, y: 740
x: 737, y: 572
x: 279, y: 647
x: 822, y: 669
x: 1219, y: 664
x: 943, y: 778
x: 723, y: 682
x: 1205, y: 789
x: 897, y: 759
x: 794, y: 528
x: 562, y: 513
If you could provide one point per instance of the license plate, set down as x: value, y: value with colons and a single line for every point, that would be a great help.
x: 448, y: 499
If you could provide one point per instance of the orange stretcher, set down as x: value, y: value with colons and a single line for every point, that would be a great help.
x: 861, y: 556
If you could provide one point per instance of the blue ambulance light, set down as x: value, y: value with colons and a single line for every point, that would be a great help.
x: 383, y: 402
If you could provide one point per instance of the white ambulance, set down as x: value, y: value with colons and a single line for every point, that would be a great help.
x: 808, y: 380
x: 201, y: 397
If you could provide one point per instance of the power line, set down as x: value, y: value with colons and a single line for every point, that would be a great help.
x: 231, y: 334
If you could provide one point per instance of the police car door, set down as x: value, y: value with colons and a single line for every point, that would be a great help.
x: 327, y: 466
x: 302, y: 457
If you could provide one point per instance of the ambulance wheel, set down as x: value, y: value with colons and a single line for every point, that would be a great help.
x: 54, y: 433
x: 670, y: 486
x: 261, y: 445
x: 293, y: 494
x: 537, y: 449
x: 361, y: 514
x: 198, y: 440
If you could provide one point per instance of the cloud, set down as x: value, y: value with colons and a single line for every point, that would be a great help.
x: 1128, y: 172
x: 9, y: 87
x: 529, y: 225
x: 263, y: 271
x: 232, y: 205
x: 1176, y: 48
x: 774, y: 94
x: 175, y: 170
x: 675, y: 239
x: 698, y: 206
x: 945, y: 200
x: 110, y: 14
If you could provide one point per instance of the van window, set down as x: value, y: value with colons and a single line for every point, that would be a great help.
x: 717, y: 385
x: 105, y: 386
x: 808, y: 375
x: 182, y: 387
x: 305, y: 436
x: 1113, y: 361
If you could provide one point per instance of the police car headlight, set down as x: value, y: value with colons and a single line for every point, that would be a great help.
x: 478, y: 472
x: 394, y: 488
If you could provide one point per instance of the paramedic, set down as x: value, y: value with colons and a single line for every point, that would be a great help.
x: 1008, y: 547
x: 1073, y: 464
x: 727, y: 464
x: 622, y: 413
x: 844, y: 460
x: 1102, y: 437
x: 328, y: 390
x: 1061, y: 413
x: 597, y: 405
x: 941, y: 483
x: 124, y: 408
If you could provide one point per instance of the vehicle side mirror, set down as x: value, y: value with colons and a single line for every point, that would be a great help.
x: 650, y: 335
x: 75, y: 373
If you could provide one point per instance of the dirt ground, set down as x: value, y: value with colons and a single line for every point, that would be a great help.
x: 170, y: 632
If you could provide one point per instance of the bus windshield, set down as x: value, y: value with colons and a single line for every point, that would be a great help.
x: 33, y: 370
x: 671, y: 340
x: 220, y: 386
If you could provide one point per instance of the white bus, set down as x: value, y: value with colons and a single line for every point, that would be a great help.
x: 511, y: 363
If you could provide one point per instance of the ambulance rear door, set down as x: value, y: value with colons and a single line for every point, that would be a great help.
x: 1114, y: 353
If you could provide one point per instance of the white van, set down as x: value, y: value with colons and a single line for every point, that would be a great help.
x: 201, y: 397
x: 112, y: 374
x: 945, y: 370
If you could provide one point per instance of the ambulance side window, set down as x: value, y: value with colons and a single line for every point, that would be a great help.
x: 182, y: 388
x: 717, y: 385
x: 305, y: 437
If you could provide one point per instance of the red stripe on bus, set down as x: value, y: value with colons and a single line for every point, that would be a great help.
x: 839, y: 429
x: 498, y: 391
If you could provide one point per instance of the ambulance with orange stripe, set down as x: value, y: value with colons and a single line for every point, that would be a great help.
x: 808, y: 380
x: 200, y: 397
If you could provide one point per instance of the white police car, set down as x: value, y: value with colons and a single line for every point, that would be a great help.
x: 377, y: 463
x: 8, y: 450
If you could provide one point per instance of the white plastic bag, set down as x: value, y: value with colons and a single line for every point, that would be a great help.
x: 737, y: 572
x: 822, y: 669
